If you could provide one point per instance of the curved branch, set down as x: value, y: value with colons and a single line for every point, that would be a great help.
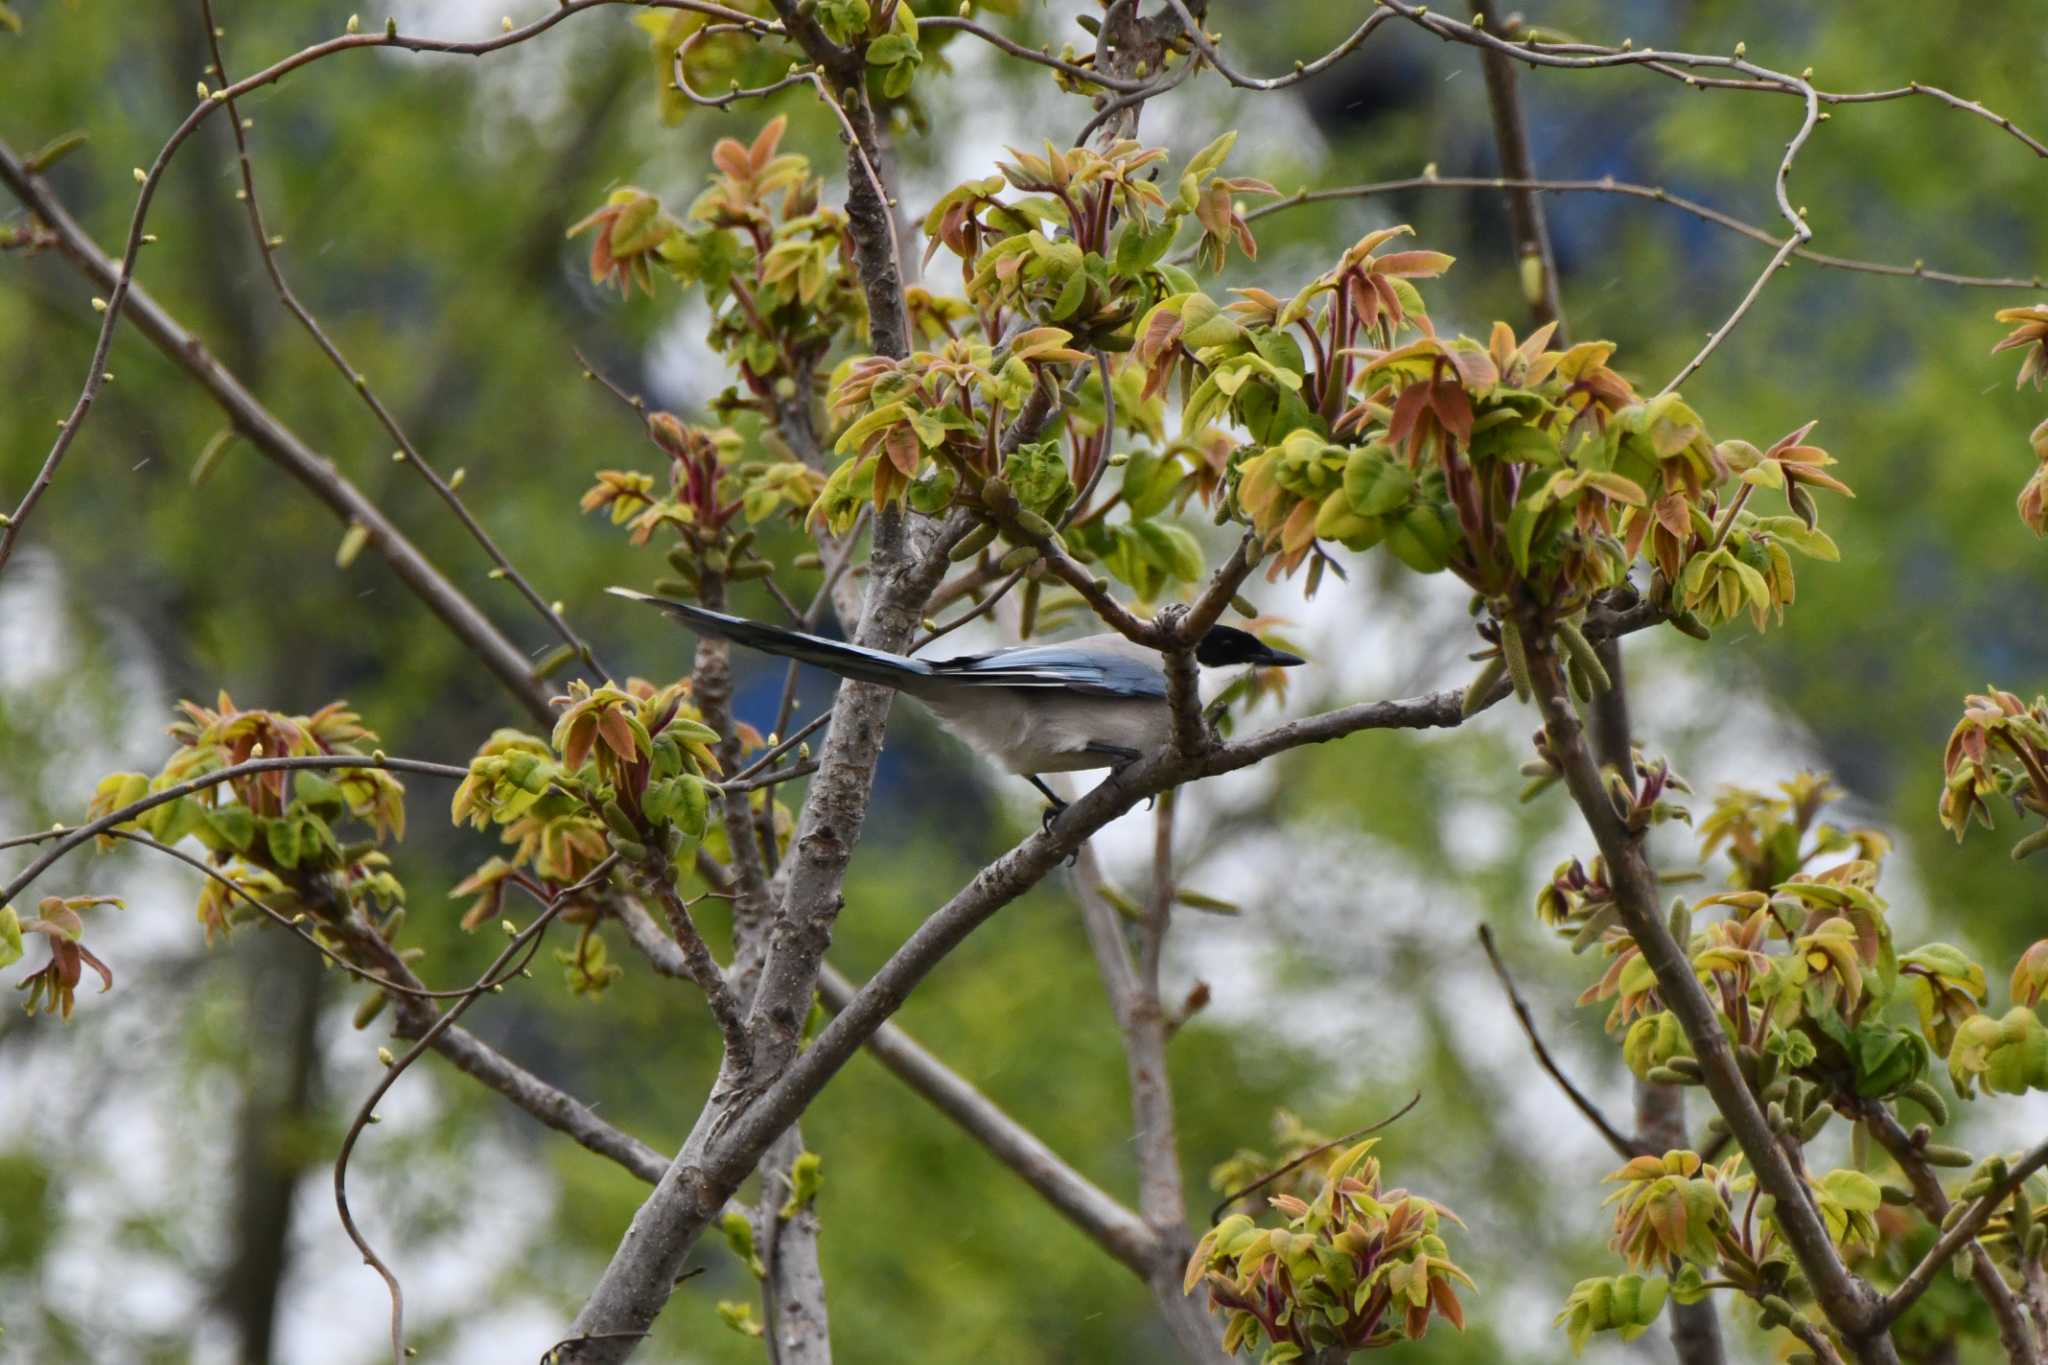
x: 1624, y: 1146
x: 1302, y: 70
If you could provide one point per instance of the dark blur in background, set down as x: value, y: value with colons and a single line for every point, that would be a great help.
x: 163, y: 1191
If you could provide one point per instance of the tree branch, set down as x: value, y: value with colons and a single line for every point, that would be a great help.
x: 722, y: 1152
x: 1656, y: 194
x: 209, y: 102
x: 1850, y: 1305
x: 1959, y: 1234
x: 1132, y: 985
x: 266, y: 250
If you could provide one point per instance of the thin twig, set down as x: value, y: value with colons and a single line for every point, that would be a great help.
x: 1216, y: 1214
x: 1629, y: 189
x: 1624, y: 1146
x: 1302, y: 70
x: 95, y: 379
x: 295, y: 925
x: 283, y: 447
x: 978, y: 610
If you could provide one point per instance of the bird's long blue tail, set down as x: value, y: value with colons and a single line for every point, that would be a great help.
x: 834, y: 656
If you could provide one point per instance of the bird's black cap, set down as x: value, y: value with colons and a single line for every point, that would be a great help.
x: 1226, y: 646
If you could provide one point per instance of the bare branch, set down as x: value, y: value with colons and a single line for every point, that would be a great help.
x: 514, y: 957
x: 123, y: 279
x: 1653, y: 193
x: 1302, y: 70
x: 1672, y: 65
x: 266, y: 250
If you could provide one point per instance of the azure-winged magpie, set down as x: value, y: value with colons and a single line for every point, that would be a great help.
x: 1098, y: 702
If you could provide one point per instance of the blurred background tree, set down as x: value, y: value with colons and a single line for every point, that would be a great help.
x: 162, y: 1160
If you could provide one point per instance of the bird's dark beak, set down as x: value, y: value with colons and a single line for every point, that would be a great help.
x: 1276, y: 658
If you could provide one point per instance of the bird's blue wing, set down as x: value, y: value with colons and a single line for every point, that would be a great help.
x: 1088, y: 672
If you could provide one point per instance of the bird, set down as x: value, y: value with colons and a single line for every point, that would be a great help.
x: 1096, y: 702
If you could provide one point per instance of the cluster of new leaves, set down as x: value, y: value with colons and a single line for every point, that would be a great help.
x: 1060, y: 254
x: 712, y: 484
x: 276, y: 834
x: 2030, y: 338
x: 625, y: 772
x: 1826, y: 1017
x: 1530, y: 473
x: 1678, y: 1214
x: 274, y: 837
x: 1356, y: 1267
x: 1998, y: 748
x: 775, y: 265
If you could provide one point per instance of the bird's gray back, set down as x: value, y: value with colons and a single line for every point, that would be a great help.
x: 1099, y: 665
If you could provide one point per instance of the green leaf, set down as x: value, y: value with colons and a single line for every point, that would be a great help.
x: 1200, y: 167
x: 1037, y: 473
x: 235, y: 826
x: 806, y: 1178
x: 282, y: 839
x: 1810, y: 541
x: 315, y: 790
x: 1375, y: 483
x: 1172, y: 548
x: 890, y: 49
x: 10, y: 936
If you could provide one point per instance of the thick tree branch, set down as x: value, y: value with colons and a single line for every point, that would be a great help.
x: 1850, y: 1305
x: 1132, y: 984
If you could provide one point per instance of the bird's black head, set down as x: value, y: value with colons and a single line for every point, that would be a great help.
x: 1227, y: 646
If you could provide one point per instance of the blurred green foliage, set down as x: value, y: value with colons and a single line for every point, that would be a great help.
x: 424, y: 200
